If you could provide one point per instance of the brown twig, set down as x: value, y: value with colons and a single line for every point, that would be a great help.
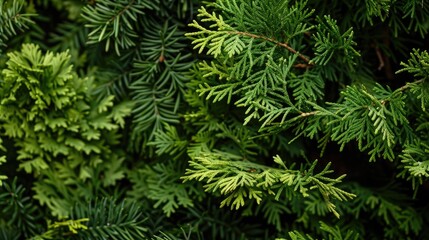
x: 380, y: 58
x: 403, y: 88
x: 285, y: 45
x: 122, y: 11
x: 383, y: 59
x: 302, y: 65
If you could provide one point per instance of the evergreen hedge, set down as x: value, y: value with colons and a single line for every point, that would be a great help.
x: 221, y: 119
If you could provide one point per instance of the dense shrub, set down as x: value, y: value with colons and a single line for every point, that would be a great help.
x: 226, y: 119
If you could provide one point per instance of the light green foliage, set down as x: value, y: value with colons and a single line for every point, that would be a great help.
x: 60, y: 132
x: 225, y: 158
x: 378, y: 8
x: 240, y: 180
x: 418, y: 65
x: 54, y: 229
x: 331, y: 233
x: 262, y: 92
x: 367, y: 117
x: 261, y: 72
x: 2, y: 177
x: 72, y: 225
x: 413, y: 157
x: 259, y: 81
x: 415, y: 163
x: 99, y: 219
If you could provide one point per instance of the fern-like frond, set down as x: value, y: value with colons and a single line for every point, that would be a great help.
x: 114, y: 22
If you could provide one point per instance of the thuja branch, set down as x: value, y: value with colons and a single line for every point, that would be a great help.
x: 215, y: 40
x: 383, y: 102
x: 278, y: 43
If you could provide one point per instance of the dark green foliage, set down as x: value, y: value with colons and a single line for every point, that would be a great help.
x: 13, y: 20
x: 161, y: 183
x: 222, y: 119
x: 108, y: 219
x: 20, y: 216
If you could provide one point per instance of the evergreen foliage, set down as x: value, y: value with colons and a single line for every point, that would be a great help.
x: 20, y: 215
x: 222, y: 119
x: 60, y: 134
x: 13, y: 20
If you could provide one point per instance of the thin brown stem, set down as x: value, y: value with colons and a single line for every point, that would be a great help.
x: 306, y: 114
x: 122, y: 11
x: 281, y: 44
x: 302, y: 65
x: 380, y: 58
x: 403, y: 88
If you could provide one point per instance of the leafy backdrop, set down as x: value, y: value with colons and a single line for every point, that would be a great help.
x: 226, y: 119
